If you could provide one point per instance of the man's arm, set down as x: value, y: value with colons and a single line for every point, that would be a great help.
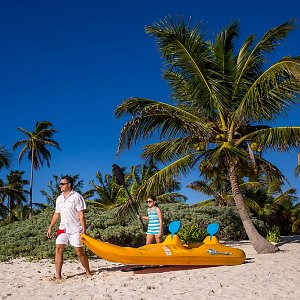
x: 82, y: 220
x: 55, y: 218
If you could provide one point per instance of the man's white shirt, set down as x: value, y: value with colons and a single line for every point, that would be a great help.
x: 68, y: 209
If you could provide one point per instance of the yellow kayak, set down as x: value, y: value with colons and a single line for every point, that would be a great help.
x: 170, y: 252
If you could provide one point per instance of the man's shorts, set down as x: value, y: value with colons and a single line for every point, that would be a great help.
x: 72, y: 239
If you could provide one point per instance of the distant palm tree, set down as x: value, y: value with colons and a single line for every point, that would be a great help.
x: 108, y: 193
x: 3, y: 207
x: 137, y: 182
x: 219, y: 191
x: 13, y: 190
x: 54, y: 190
x: 36, y: 146
x: 275, y: 207
x: 220, y: 98
x: 5, y: 157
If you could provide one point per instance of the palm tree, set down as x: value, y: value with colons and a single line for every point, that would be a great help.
x: 218, y: 189
x: 36, y: 146
x: 3, y: 207
x: 220, y: 100
x: 138, y: 180
x: 5, y: 157
x: 109, y: 194
x: 54, y: 190
x: 13, y: 190
x: 274, y: 206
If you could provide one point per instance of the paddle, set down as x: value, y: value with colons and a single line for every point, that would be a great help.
x: 118, y: 173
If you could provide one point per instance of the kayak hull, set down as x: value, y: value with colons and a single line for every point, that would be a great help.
x: 169, y: 252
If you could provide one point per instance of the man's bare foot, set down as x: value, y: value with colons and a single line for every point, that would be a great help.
x: 56, y: 279
x: 88, y: 275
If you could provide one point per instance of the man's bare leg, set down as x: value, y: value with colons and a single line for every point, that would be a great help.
x: 59, y: 250
x: 84, y: 260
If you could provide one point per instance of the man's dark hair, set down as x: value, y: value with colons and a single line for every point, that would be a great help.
x: 69, y: 179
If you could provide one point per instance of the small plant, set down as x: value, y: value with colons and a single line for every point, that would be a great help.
x: 273, y: 234
x: 191, y: 234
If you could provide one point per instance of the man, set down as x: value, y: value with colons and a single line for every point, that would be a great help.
x: 69, y: 209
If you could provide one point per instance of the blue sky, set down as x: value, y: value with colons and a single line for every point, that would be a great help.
x: 73, y: 62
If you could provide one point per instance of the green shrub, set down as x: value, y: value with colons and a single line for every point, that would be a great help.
x: 28, y: 238
x: 191, y: 234
x: 273, y: 235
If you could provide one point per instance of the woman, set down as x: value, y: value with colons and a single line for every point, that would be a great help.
x: 154, y: 221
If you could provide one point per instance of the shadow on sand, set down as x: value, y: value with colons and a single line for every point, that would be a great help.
x: 289, y: 239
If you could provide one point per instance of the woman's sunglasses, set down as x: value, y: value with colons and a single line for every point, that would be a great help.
x: 149, y: 201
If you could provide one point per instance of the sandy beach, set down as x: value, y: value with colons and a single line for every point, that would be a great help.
x: 265, y: 276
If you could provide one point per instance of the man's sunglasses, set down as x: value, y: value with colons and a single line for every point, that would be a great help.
x: 63, y: 183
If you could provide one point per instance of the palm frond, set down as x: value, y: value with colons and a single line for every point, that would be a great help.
x: 277, y: 138
x: 254, y: 60
x: 165, y: 178
x: 162, y: 119
x: 272, y: 92
x: 170, y: 150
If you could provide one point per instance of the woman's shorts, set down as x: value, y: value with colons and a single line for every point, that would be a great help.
x: 67, y: 238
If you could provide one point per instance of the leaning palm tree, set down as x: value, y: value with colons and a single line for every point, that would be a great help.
x: 223, y: 100
x: 36, y: 146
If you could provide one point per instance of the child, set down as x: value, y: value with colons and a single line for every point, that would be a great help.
x: 154, y: 221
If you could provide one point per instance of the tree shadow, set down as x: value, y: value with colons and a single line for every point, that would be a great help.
x: 289, y: 239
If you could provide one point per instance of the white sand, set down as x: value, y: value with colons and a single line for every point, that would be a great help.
x: 265, y: 276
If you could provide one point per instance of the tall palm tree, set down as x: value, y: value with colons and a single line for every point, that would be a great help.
x: 220, y: 98
x: 13, y: 190
x: 36, y: 146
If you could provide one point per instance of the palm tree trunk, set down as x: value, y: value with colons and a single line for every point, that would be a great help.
x: 9, y: 205
x: 30, y: 188
x: 259, y: 243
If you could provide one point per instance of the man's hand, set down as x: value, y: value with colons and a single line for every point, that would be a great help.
x: 49, y: 233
